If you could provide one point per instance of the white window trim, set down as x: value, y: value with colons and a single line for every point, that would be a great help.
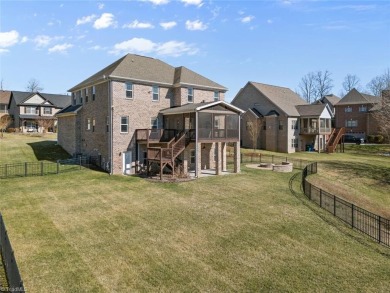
x: 126, y: 90
x: 188, y: 95
x: 124, y: 124
x: 217, y: 98
x: 158, y: 93
x: 152, y: 124
x: 88, y: 123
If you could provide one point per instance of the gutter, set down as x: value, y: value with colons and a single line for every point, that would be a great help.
x: 111, y: 109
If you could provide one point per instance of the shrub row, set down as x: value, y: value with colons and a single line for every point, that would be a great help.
x: 375, y: 138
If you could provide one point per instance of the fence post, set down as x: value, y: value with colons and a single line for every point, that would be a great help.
x: 80, y: 162
x: 272, y: 159
x: 241, y: 157
x: 25, y: 169
x: 379, y: 229
x: 334, y: 205
x: 58, y: 166
x: 6, y: 170
x: 353, y: 216
x: 42, y: 168
x: 320, y: 197
x: 260, y: 157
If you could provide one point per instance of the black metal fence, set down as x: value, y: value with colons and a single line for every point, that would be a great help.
x: 358, y: 218
x: 14, y: 280
x: 41, y: 168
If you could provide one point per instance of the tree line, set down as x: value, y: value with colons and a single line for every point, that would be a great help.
x: 314, y: 85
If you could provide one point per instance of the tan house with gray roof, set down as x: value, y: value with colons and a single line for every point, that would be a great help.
x: 280, y: 120
x: 142, y: 114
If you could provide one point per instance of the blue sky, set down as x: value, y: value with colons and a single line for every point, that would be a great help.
x: 60, y: 43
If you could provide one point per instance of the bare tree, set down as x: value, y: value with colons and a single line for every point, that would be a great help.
x: 379, y: 83
x: 254, y: 126
x: 350, y: 81
x: 323, y: 84
x: 315, y: 85
x: 307, y: 87
x: 34, y: 85
x: 45, y: 124
x: 5, y: 121
x: 383, y: 115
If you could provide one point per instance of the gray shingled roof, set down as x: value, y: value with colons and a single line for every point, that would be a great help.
x: 69, y: 109
x: 149, y: 70
x: 59, y: 101
x: 193, y: 107
x: 5, y: 97
x: 355, y: 97
x: 284, y: 98
x: 311, y: 110
x: 332, y: 99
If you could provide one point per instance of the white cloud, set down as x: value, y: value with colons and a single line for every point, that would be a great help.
x: 96, y: 48
x: 85, y: 19
x: 106, y: 20
x: 137, y: 24
x: 247, y: 19
x: 174, y: 48
x: 42, y: 40
x: 168, y: 25
x: 198, y: 3
x: 60, y: 48
x: 24, y: 39
x: 195, y: 25
x: 8, y: 39
x: 100, y: 6
x: 157, y: 2
x: 3, y: 51
x: 270, y: 21
x: 145, y: 46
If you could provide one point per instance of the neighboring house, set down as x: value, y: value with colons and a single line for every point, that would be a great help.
x: 140, y: 113
x: 35, y: 112
x: 285, y: 121
x: 331, y: 100
x: 5, y: 97
x: 355, y: 112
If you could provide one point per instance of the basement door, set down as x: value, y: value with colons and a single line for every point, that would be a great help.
x: 126, y: 162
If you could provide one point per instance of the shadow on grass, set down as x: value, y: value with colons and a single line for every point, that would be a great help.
x: 351, y: 170
x: 48, y: 150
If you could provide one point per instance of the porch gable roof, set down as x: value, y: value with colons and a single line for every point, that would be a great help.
x: 195, y: 107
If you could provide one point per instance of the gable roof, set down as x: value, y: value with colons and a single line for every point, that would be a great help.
x: 311, y: 110
x: 5, y: 97
x: 59, y: 101
x: 149, y: 70
x: 284, y: 98
x: 194, y: 107
x: 355, y: 97
x: 70, y: 110
x: 255, y: 112
x: 331, y: 98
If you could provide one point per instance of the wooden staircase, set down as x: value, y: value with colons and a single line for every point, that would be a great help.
x: 334, y: 139
x: 166, y: 156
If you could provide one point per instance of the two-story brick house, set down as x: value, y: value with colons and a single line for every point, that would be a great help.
x: 355, y: 112
x: 140, y: 111
x: 284, y: 121
x: 35, y: 112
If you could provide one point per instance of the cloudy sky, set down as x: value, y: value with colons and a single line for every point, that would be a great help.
x: 60, y: 43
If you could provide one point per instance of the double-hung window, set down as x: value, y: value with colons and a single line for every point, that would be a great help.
x: 280, y: 125
x: 294, y: 143
x: 363, y: 108
x: 129, y: 90
x: 348, y: 109
x: 155, y: 93
x: 86, y: 94
x: 88, y: 123
x: 216, y: 95
x: 154, y: 123
x: 294, y: 124
x: 32, y: 110
x: 190, y: 95
x: 124, y: 124
x: 351, y: 123
x: 47, y: 110
x: 192, y: 156
x: 93, y: 93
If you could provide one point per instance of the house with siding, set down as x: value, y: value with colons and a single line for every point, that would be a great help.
x: 142, y: 114
x: 5, y: 97
x: 355, y: 112
x: 35, y: 111
x: 280, y: 120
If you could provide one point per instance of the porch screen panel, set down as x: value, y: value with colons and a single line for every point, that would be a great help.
x: 205, y: 124
x: 219, y: 126
x: 232, y: 126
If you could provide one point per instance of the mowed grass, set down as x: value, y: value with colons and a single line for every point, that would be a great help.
x: 361, y: 175
x: 86, y: 231
x: 18, y: 148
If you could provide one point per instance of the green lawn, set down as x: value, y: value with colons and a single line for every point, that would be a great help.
x: 86, y: 231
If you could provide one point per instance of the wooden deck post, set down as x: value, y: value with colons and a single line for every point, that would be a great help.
x: 237, y: 162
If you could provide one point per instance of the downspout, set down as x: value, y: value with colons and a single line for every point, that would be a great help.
x: 111, y: 107
x: 196, y: 143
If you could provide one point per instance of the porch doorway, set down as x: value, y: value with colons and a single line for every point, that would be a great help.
x: 127, y: 160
